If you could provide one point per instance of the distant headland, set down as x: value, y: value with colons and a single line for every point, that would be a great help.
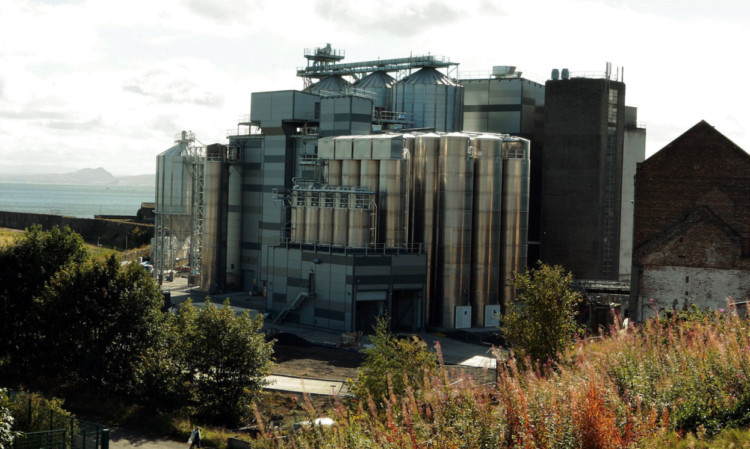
x: 85, y: 176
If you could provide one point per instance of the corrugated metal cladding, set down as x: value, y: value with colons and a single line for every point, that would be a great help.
x: 345, y: 115
x: 501, y: 105
x: 430, y: 100
x: 283, y: 105
x: 379, y: 83
x: 174, y: 182
x: 328, y: 85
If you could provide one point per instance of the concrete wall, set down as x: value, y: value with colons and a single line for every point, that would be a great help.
x: 634, y: 152
x: 111, y: 234
x: 675, y: 287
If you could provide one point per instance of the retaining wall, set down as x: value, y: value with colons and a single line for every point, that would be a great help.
x: 111, y: 234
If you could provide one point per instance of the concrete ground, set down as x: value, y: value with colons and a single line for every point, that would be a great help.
x: 454, y: 352
x: 120, y: 438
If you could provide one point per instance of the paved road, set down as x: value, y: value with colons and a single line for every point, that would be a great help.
x: 306, y: 385
x: 128, y: 439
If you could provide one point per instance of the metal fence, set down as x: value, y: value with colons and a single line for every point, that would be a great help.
x: 81, y: 435
x: 90, y: 435
x: 48, y: 439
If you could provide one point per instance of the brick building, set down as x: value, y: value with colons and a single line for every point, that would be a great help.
x: 691, y: 235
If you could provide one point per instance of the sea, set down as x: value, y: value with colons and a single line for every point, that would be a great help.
x: 83, y: 201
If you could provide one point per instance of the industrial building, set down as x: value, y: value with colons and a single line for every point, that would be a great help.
x: 592, y: 143
x: 692, y: 225
x: 395, y: 187
x: 356, y: 197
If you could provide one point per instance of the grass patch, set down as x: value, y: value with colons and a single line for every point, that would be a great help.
x: 7, y: 235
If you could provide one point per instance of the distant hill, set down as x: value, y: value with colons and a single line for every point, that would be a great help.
x: 85, y: 176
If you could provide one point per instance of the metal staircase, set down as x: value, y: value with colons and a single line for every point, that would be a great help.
x: 294, y: 305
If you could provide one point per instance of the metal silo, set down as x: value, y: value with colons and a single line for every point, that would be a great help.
x: 174, y: 186
x: 486, y: 225
x: 379, y: 83
x: 430, y: 100
x: 370, y: 180
x: 234, y: 224
x: 424, y: 208
x: 333, y: 172
x: 340, y: 218
x: 332, y: 84
x: 325, y: 217
x: 515, y: 211
x: 392, y: 192
x: 350, y: 173
x: 298, y: 216
x: 359, y: 219
x: 455, y: 196
x: 213, y: 238
x: 311, y: 217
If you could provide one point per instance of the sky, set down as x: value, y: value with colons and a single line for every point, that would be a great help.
x: 104, y: 83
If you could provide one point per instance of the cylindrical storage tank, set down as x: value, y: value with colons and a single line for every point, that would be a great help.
x: 350, y: 173
x: 430, y: 100
x: 340, y: 218
x: 369, y: 175
x: 213, y: 238
x: 515, y: 212
x: 425, y: 203
x: 359, y: 220
x: 173, y: 206
x: 455, y: 196
x: 234, y: 226
x: 408, y: 186
x: 486, y: 225
x: 391, y: 209
x: 380, y: 84
x: 325, y: 217
x: 297, y: 234
x: 333, y: 172
x: 328, y: 85
x: 370, y: 180
x: 311, y: 217
x: 173, y: 181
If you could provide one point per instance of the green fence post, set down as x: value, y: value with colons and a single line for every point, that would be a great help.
x: 105, y: 439
x: 83, y: 439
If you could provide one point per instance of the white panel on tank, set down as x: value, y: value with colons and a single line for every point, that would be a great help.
x: 326, y: 148
x: 463, y: 317
x: 491, y: 314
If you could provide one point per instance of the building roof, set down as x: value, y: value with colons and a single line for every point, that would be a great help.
x: 701, y: 138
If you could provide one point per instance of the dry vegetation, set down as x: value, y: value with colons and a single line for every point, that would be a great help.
x: 677, y: 381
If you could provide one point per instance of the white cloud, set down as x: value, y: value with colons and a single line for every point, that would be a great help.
x: 91, y: 83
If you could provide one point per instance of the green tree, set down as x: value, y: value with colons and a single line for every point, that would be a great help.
x: 25, y: 268
x: 541, y: 323
x: 394, y: 361
x: 97, y: 320
x: 226, y: 358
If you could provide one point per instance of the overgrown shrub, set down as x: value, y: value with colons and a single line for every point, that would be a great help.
x: 541, y: 323
x: 33, y: 412
x: 392, y: 365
